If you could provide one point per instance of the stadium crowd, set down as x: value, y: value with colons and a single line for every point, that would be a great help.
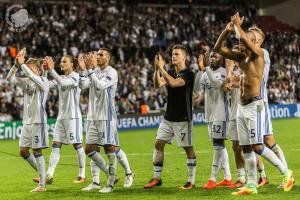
x: 134, y: 34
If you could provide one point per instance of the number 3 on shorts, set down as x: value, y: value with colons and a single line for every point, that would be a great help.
x: 36, y: 139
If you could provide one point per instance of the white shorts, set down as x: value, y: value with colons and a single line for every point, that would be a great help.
x: 102, y: 132
x: 34, y: 136
x: 68, y: 131
x: 232, y: 130
x: 182, y: 131
x: 217, y: 130
x: 250, y: 123
x: 268, y: 122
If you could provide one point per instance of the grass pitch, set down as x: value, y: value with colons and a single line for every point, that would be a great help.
x: 16, y: 175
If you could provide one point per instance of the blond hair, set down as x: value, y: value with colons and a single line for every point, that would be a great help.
x: 257, y: 30
x: 36, y: 62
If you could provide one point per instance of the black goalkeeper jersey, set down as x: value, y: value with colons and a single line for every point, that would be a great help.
x: 179, y: 105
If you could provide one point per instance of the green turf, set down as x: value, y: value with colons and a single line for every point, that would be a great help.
x: 16, y: 175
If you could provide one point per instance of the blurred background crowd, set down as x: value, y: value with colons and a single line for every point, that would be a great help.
x: 135, y: 34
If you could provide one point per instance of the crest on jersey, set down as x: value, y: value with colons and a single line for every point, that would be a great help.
x: 17, y: 18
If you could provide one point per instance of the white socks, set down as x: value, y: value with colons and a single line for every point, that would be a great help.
x: 100, y: 162
x: 279, y: 153
x: 241, y: 175
x: 273, y: 159
x: 225, y: 164
x: 95, y: 171
x: 112, y: 159
x: 122, y: 158
x: 54, y: 158
x: 158, y: 159
x: 217, y: 159
x: 81, y: 161
x: 191, y: 165
x: 40, y: 161
x: 251, y: 168
x: 32, y: 162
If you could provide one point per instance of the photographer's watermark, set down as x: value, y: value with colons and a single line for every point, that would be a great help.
x: 17, y: 17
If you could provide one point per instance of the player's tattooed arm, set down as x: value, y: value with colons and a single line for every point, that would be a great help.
x: 224, y: 51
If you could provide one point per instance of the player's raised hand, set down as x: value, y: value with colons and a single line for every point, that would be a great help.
x: 94, y: 59
x: 229, y: 27
x: 237, y: 20
x: 201, y: 62
x: 228, y: 87
x: 81, y: 62
x: 49, y: 61
x: 87, y: 61
x: 159, y: 61
x: 20, y: 58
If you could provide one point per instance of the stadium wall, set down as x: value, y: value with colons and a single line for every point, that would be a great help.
x: 277, y: 8
x: 12, y: 130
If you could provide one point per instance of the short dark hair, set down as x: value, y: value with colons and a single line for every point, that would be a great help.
x: 181, y: 47
x: 108, y: 51
x: 74, y: 61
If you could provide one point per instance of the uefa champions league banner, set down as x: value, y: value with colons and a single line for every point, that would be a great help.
x: 12, y: 130
x: 279, y: 111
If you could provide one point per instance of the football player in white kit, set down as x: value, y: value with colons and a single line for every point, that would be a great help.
x: 232, y: 86
x: 34, y: 133
x: 251, y: 107
x: 102, y: 118
x: 216, y: 115
x: 68, y: 127
x: 269, y: 139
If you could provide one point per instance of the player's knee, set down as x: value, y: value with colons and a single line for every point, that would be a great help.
x: 258, y: 148
x: 24, y: 153
x: 89, y: 149
x: 109, y: 149
x: 37, y: 151
x: 56, y: 144
x: 190, y: 152
x: 218, y: 142
x: 77, y: 146
x: 269, y: 141
x: 159, y: 145
x: 236, y: 147
x: 247, y: 149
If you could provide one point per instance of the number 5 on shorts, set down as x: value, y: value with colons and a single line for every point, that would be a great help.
x: 71, y: 136
x: 252, y: 133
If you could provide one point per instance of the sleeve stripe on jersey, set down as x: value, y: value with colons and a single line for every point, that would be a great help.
x: 74, y: 79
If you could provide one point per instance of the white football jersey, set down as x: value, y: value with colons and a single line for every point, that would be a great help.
x: 69, y: 95
x: 216, y: 101
x: 35, y: 89
x: 102, y: 86
x: 264, y: 92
